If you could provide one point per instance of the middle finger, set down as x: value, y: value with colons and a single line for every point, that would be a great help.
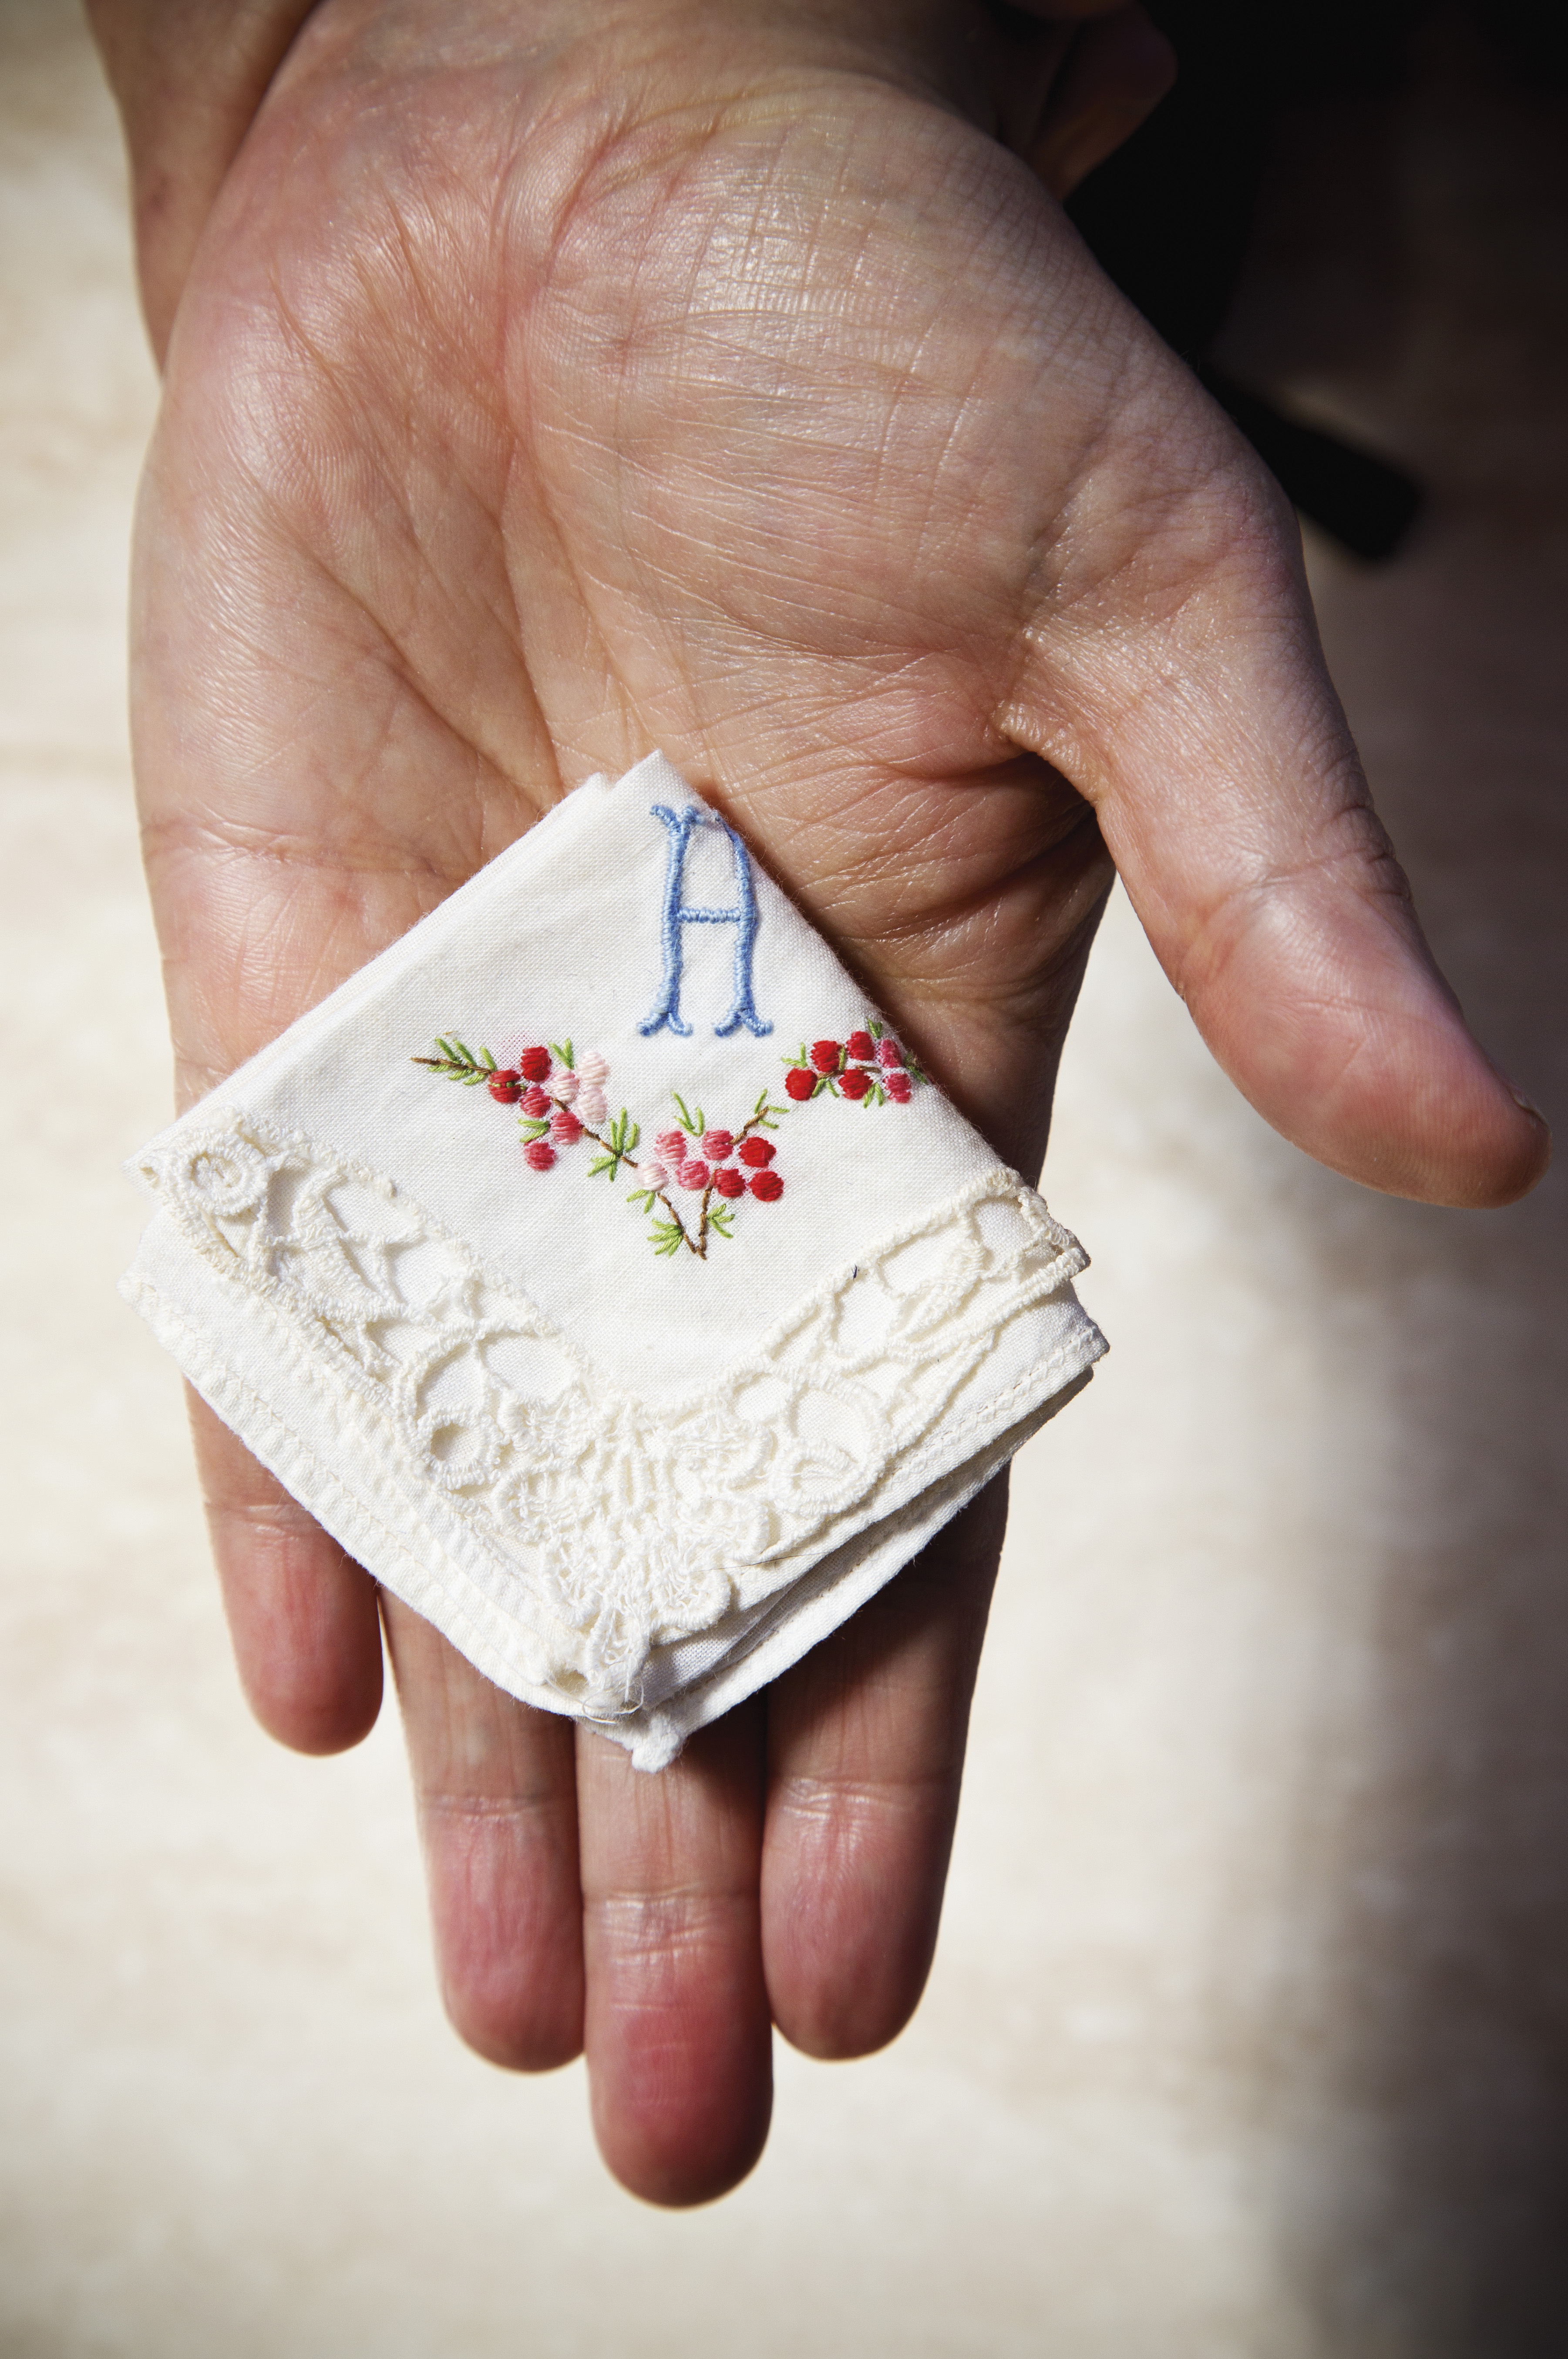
x: 679, y: 2039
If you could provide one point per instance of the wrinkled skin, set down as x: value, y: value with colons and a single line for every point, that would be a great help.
x: 553, y: 383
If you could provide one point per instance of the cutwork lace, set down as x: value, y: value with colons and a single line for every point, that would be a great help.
x: 630, y: 1526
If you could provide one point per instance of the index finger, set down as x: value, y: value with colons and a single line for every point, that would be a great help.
x: 302, y: 1615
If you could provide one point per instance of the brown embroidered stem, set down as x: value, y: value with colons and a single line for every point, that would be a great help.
x: 458, y: 1062
x: 701, y: 1250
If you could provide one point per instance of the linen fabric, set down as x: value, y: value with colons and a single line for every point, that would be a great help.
x: 607, y: 1277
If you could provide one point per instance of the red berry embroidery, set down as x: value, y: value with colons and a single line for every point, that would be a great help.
x: 505, y: 1088
x: 890, y: 1052
x: 729, y: 1182
x: 854, y: 1083
x: 766, y: 1186
x: 718, y: 1144
x: 670, y: 1147
x: 800, y: 1083
x: 539, y: 1157
x: 825, y: 1055
x: 535, y: 1104
x: 899, y: 1088
x: 756, y: 1152
x: 862, y: 1046
x: 534, y: 1064
x: 694, y: 1175
x: 564, y: 1127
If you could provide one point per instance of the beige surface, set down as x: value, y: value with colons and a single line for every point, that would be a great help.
x: 1246, y: 2034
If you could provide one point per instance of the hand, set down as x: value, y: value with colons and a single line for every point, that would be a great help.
x: 551, y: 383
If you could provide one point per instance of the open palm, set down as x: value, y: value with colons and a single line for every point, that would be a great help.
x: 725, y: 386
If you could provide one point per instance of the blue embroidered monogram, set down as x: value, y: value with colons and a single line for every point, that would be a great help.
x: 678, y: 913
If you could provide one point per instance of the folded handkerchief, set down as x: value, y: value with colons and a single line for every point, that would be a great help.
x: 607, y: 1277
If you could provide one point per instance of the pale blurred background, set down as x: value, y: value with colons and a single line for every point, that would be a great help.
x: 1249, y: 2032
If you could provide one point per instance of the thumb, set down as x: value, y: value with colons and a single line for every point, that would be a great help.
x: 1174, y: 673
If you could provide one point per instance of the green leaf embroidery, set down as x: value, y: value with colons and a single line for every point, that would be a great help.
x: 455, y: 1062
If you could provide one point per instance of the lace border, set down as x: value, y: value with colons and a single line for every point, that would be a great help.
x: 629, y: 1527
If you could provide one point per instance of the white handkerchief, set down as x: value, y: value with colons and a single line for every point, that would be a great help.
x: 607, y: 1277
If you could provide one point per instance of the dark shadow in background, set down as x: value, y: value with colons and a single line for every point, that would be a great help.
x: 1172, y: 216
x: 1408, y: 277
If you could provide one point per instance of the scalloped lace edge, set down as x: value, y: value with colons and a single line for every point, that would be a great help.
x: 589, y: 1530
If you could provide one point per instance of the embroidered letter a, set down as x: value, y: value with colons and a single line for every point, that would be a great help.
x: 678, y: 913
